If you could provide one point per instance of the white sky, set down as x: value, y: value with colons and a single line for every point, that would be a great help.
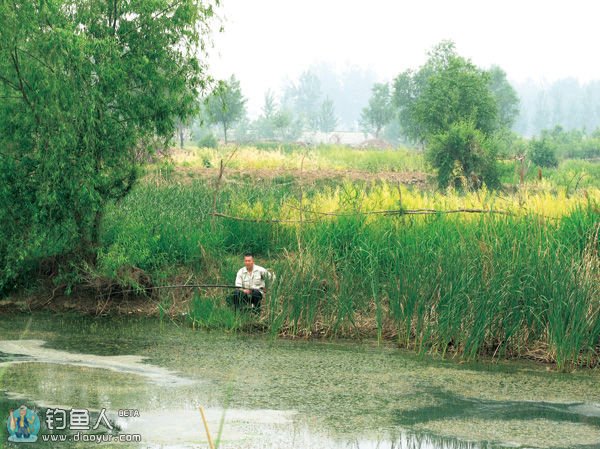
x: 267, y: 40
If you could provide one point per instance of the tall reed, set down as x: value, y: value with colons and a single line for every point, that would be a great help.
x: 521, y: 285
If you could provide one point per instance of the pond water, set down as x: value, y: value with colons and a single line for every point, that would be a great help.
x: 260, y: 392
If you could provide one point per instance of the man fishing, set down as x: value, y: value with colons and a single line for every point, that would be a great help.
x: 251, y: 282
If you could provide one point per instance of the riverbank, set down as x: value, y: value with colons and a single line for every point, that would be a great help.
x: 465, y: 274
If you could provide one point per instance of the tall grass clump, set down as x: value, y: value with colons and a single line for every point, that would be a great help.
x: 501, y: 286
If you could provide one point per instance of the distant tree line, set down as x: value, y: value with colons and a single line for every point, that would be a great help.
x: 566, y: 103
x: 321, y: 99
x: 462, y: 115
x: 301, y: 108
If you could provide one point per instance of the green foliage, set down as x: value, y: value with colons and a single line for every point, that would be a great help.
x: 380, y: 111
x: 543, y: 153
x: 392, y: 132
x: 285, y: 155
x: 447, y: 89
x: 82, y: 85
x: 464, y: 157
x: 269, y: 107
x: 280, y: 123
x: 510, y: 144
x: 208, y: 141
x: 287, y: 128
x: 211, y: 313
x: 507, y: 99
x: 226, y: 105
x: 287, y: 148
x: 572, y: 144
x: 574, y: 174
x: 571, y: 175
x: 493, y: 284
x: 304, y: 99
x: 327, y: 119
x: 446, y: 93
x: 264, y: 126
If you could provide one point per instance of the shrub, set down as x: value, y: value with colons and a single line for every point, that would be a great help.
x: 464, y: 157
x: 543, y: 153
x: 208, y: 141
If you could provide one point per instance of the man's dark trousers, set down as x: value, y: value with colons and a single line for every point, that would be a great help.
x: 238, y: 299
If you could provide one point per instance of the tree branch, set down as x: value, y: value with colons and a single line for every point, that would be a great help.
x: 44, y: 63
x: 21, y: 87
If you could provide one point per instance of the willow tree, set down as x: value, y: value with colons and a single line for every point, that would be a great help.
x: 82, y: 84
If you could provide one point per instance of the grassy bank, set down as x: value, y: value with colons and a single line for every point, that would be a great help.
x: 570, y: 175
x: 281, y: 156
x: 523, y: 284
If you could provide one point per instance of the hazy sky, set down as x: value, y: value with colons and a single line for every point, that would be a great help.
x: 267, y: 40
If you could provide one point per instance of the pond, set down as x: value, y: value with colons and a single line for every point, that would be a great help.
x: 260, y: 392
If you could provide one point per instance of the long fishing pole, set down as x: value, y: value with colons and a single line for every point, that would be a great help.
x: 178, y: 286
x: 140, y: 289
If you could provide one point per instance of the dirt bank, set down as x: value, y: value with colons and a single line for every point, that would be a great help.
x: 415, y: 178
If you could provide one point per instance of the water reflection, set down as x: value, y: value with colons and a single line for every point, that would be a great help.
x: 451, y: 406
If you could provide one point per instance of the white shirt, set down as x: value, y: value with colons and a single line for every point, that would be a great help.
x: 254, y: 279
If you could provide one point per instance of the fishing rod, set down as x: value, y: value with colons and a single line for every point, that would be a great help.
x: 158, y: 287
x: 179, y: 286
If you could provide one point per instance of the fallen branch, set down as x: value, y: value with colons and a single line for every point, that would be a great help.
x: 410, y: 212
x: 390, y: 212
x: 374, y: 212
x: 158, y: 287
x: 258, y: 220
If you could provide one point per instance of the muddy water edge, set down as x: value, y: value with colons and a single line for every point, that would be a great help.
x: 264, y: 392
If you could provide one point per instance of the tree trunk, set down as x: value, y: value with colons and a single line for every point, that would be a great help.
x: 85, y: 249
x: 95, y: 236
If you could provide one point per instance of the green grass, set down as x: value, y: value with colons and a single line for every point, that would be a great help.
x: 206, y: 312
x: 502, y: 286
x: 570, y: 175
x: 288, y: 156
x: 400, y: 159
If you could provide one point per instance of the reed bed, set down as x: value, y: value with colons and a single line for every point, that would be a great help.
x: 523, y: 283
